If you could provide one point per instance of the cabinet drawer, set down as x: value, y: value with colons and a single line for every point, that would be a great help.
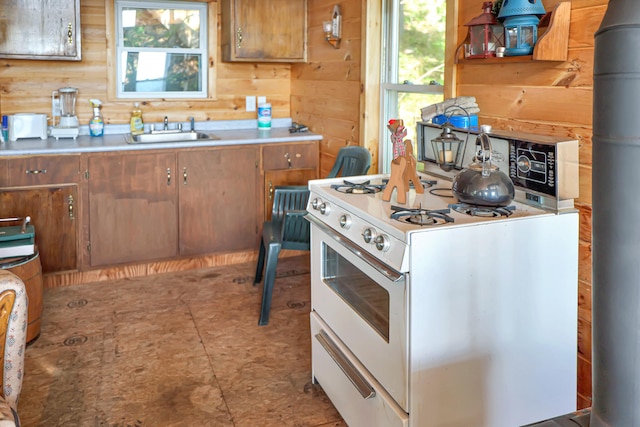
x: 41, y: 170
x: 290, y: 156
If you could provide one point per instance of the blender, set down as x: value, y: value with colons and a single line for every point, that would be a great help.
x: 63, y: 105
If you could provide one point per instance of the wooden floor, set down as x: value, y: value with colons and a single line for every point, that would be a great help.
x: 178, y: 349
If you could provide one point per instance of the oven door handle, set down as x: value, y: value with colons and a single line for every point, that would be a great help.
x: 356, y: 378
x: 388, y: 272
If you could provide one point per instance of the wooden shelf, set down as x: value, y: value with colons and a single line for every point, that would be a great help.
x: 552, y: 44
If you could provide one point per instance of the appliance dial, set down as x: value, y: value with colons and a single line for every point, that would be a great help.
x: 382, y: 243
x: 315, y: 204
x: 345, y: 221
x: 325, y: 208
x: 369, y: 234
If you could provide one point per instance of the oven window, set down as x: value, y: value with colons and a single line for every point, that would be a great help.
x: 363, y: 294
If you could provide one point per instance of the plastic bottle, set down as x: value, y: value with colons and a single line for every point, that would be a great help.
x: 264, y: 116
x: 136, y: 125
x: 96, y: 124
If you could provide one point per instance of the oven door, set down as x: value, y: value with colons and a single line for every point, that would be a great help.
x: 364, y: 303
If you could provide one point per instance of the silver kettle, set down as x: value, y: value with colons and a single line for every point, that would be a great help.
x: 481, y: 182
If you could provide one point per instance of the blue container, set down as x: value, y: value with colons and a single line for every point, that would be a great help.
x: 460, y: 122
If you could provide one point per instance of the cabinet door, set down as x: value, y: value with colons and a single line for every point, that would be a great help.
x: 132, y: 208
x: 267, y: 30
x: 53, y: 213
x: 219, y: 200
x: 283, y: 177
x: 35, y: 29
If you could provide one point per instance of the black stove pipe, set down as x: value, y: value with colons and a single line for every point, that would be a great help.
x: 616, y: 218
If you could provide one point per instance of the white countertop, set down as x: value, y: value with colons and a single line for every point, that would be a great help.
x: 232, y: 132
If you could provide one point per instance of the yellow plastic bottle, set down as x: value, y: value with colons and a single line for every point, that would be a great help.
x: 136, y: 125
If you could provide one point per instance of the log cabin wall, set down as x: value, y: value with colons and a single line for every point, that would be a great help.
x: 26, y: 85
x: 553, y: 98
x: 325, y: 92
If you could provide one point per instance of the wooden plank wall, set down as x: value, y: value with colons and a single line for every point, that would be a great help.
x: 325, y: 92
x: 553, y: 98
x: 26, y: 85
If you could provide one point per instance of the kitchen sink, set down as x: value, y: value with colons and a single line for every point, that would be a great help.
x: 149, y: 138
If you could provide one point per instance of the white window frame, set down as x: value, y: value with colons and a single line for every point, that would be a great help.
x: 202, y: 50
x: 390, y: 88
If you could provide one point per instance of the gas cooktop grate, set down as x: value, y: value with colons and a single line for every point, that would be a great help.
x: 482, y: 211
x: 357, y: 187
x: 419, y: 216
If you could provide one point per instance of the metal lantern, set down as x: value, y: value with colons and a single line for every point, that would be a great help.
x: 446, y: 148
x: 521, y: 18
x: 485, y: 34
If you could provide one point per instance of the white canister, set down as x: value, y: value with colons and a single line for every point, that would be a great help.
x: 264, y: 116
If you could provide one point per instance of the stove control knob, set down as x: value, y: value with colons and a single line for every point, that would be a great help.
x: 315, y: 204
x: 382, y: 243
x: 325, y: 208
x: 369, y: 234
x: 345, y: 221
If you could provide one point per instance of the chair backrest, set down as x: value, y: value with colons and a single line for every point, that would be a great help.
x: 13, y: 335
x: 351, y: 161
x: 291, y: 201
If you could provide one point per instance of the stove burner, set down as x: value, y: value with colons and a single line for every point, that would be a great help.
x: 482, y: 211
x: 442, y: 192
x: 421, y: 216
x: 426, y: 183
x: 357, y: 187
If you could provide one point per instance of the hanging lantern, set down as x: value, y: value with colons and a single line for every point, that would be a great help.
x: 521, y: 18
x: 485, y: 34
x: 446, y: 148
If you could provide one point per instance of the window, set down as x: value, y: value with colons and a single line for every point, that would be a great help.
x: 161, y: 49
x: 412, y: 75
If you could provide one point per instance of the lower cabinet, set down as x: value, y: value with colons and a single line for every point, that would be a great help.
x: 132, y: 207
x: 218, y: 199
x: 53, y: 212
x: 272, y: 179
x: 152, y: 206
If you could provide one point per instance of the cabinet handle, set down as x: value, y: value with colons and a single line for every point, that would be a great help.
x: 239, y: 38
x: 35, y: 171
x: 184, y: 175
x: 168, y: 176
x: 288, y: 157
x: 70, y: 204
x: 270, y: 190
x: 70, y: 33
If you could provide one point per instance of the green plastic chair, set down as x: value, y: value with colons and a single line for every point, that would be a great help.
x: 352, y: 160
x: 288, y: 229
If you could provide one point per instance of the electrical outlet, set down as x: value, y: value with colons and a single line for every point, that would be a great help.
x: 262, y: 100
x: 250, y: 103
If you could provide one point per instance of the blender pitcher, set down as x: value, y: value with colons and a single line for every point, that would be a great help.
x: 66, y: 100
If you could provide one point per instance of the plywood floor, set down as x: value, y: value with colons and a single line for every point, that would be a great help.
x: 179, y: 349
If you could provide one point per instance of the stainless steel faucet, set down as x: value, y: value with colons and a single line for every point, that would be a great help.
x: 166, y: 123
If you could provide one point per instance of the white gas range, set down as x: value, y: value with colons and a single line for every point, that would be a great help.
x: 455, y: 320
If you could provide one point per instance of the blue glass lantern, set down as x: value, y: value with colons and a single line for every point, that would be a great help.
x: 521, y: 18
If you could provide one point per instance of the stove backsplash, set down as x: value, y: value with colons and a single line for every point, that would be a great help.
x: 544, y: 169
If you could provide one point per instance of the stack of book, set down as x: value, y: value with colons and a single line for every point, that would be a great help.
x: 17, y: 241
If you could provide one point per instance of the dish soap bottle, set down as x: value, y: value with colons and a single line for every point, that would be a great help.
x: 137, y: 125
x: 96, y: 124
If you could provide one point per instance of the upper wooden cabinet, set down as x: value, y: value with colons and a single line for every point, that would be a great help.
x: 264, y: 31
x: 40, y: 30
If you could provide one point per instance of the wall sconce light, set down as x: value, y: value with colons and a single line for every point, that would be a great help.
x: 333, y: 28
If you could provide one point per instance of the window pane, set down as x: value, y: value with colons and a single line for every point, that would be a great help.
x: 409, y: 105
x: 161, y: 72
x: 421, y: 41
x: 161, y: 28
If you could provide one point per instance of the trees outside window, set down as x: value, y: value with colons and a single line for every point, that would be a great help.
x: 413, y: 53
